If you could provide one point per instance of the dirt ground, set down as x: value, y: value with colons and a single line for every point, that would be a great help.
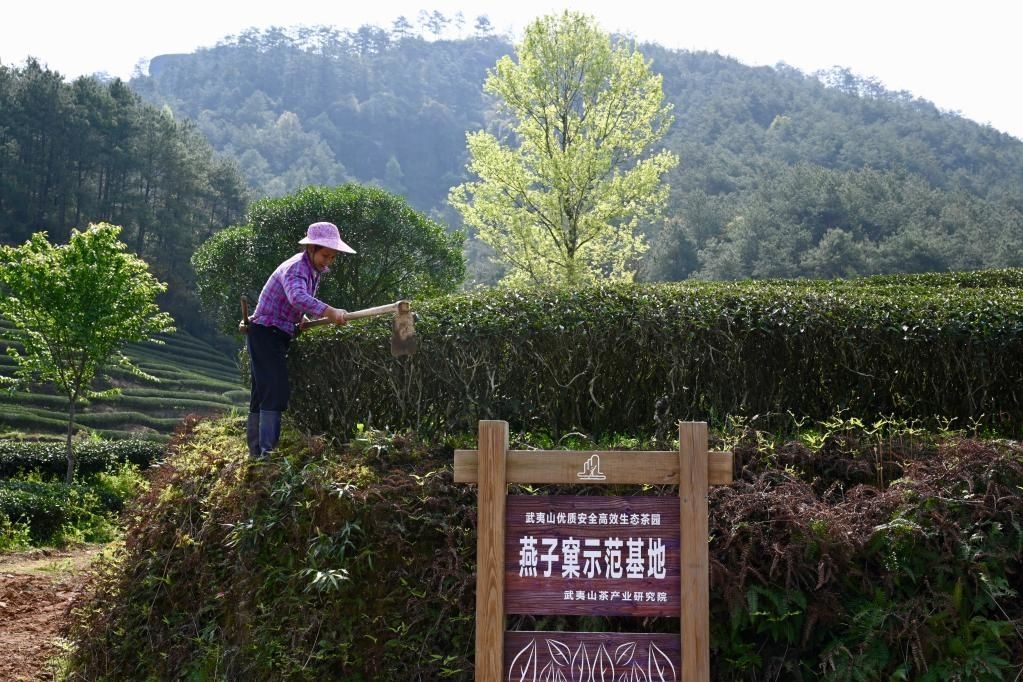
x: 36, y: 588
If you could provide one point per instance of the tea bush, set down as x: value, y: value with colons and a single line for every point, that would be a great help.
x: 50, y: 458
x: 37, y: 509
x: 55, y: 514
x: 636, y: 358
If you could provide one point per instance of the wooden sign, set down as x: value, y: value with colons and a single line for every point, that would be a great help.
x: 510, y: 545
x: 592, y: 555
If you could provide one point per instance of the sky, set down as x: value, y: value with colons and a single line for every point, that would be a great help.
x: 964, y: 56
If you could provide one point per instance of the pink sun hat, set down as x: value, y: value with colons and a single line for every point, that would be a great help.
x: 325, y: 234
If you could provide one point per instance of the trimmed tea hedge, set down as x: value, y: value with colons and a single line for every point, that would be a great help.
x: 51, y: 458
x: 996, y: 277
x: 193, y: 377
x: 636, y: 358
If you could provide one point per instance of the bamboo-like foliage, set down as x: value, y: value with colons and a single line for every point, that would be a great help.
x: 634, y: 358
x: 879, y: 553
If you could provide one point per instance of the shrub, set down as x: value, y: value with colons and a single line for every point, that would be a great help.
x: 50, y: 459
x: 635, y: 358
x: 323, y: 565
x: 56, y: 514
x: 14, y: 536
x: 358, y: 563
x: 400, y: 251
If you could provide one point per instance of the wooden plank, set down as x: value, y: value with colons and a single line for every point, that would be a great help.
x: 564, y: 466
x: 592, y: 555
x: 493, y: 444
x: 692, y: 495
x: 587, y: 656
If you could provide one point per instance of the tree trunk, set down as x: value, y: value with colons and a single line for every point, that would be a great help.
x: 70, y: 452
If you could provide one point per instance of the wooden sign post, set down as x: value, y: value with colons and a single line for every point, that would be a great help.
x: 592, y: 555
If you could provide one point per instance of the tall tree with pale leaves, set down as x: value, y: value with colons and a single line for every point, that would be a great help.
x: 561, y: 198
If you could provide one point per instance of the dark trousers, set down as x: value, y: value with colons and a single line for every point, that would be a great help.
x: 268, y: 365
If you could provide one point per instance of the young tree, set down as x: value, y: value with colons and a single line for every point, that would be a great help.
x: 564, y: 204
x: 74, y: 307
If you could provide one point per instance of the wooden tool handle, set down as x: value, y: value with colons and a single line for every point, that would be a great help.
x: 369, y: 312
x: 397, y: 306
x: 243, y: 326
x: 308, y: 324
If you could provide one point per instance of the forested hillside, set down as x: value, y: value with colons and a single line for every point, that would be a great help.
x: 331, y: 106
x: 76, y: 153
x: 782, y: 174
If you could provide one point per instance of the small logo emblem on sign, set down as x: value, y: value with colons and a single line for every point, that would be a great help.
x: 591, y: 470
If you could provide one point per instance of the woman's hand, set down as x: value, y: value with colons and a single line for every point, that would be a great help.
x: 336, y: 315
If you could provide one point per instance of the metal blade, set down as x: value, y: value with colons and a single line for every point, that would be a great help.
x: 403, y: 334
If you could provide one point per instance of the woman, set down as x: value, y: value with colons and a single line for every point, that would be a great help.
x: 288, y: 294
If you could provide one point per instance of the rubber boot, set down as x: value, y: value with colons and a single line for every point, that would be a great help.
x: 252, y: 434
x: 269, y: 431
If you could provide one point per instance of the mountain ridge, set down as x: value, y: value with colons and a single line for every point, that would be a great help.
x: 777, y: 165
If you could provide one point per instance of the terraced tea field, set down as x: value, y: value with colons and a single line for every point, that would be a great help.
x: 194, y: 378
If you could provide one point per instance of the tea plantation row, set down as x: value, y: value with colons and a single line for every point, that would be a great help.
x: 193, y: 378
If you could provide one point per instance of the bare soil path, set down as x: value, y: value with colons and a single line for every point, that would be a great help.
x: 36, y: 588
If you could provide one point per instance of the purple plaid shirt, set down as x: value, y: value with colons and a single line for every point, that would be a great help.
x: 290, y: 292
